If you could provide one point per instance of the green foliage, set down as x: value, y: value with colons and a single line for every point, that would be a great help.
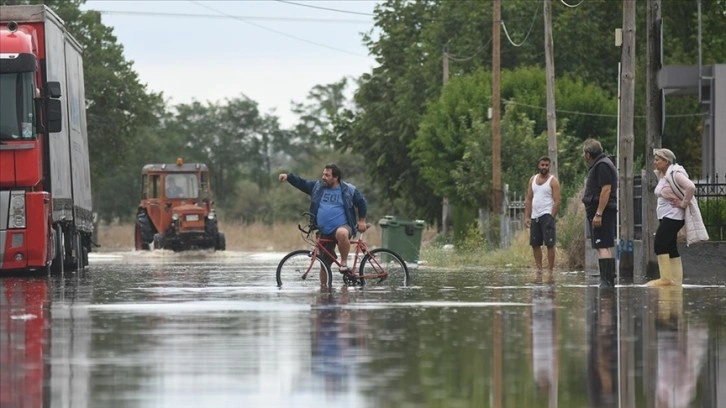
x: 453, y: 146
x: 713, y: 211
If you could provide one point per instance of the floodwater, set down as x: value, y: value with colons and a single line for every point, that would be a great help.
x: 213, y: 330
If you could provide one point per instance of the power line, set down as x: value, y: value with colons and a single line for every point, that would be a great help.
x: 183, y: 15
x: 324, y: 8
x: 453, y: 57
x: 504, y: 26
x: 276, y: 31
x: 570, y: 5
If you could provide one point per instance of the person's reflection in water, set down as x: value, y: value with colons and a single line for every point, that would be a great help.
x: 603, y: 354
x: 545, y: 355
x: 333, y: 344
x: 681, y: 351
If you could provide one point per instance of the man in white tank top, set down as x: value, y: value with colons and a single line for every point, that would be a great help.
x: 540, y: 211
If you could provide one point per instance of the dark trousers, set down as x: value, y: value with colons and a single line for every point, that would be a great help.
x: 666, y: 237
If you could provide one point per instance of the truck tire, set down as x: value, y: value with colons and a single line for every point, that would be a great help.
x: 221, y: 242
x: 79, y: 251
x: 86, y: 241
x: 57, y: 265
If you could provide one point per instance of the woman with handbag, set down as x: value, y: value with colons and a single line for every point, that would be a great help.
x: 674, y: 193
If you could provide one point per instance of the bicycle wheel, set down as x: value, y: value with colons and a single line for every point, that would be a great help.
x: 300, y: 269
x: 378, y: 260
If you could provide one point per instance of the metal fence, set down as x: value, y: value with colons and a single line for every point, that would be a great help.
x: 712, y: 203
x: 513, y: 219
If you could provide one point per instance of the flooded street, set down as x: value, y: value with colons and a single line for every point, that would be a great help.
x: 213, y: 330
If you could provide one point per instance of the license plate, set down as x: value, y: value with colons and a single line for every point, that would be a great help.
x: 193, y: 217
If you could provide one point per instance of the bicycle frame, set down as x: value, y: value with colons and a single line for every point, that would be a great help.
x: 361, y: 250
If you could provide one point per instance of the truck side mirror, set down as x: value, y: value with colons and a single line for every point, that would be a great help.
x: 53, y: 109
x: 54, y: 115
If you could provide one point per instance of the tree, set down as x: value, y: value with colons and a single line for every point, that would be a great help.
x: 453, y: 143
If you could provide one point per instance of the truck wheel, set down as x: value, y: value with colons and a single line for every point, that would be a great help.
x: 221, y: 242
x: 86, y: 241
x: 81, y: 252
x: 59, y: 251
x: 158, y: 241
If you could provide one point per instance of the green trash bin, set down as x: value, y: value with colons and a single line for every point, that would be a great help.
x: 402, y: 237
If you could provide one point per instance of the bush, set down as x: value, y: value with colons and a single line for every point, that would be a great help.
x: 571, y: 232
x: 713, y: 211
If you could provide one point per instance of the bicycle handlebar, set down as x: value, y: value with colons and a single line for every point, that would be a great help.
x: 308, y: 229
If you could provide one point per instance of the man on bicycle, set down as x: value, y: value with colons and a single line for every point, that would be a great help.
x: 333, y: 204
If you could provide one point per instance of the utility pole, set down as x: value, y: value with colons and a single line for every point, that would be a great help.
x: 550, y: 72
x: 653, y: 129
x: 496, y: 109
x: 625, y: 156
x: 445, y: 210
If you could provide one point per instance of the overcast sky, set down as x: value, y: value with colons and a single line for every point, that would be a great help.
x: 272, y: 51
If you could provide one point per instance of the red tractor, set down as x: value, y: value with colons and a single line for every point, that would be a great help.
x: 176, y: 210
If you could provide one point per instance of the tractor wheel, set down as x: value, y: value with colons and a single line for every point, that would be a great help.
x: 221, y: 242
x: 139, y: 242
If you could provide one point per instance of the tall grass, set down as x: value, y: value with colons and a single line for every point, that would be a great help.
x: 240, y: 237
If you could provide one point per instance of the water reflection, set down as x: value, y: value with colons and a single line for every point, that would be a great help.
x: 219, y: 333
x: 681, y: 351
x: 545, y: 352
x: 602, y: 359
x: 338, y: 337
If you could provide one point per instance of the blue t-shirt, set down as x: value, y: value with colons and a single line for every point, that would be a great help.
x: 331, y: 213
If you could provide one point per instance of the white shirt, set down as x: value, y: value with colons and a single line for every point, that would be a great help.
x: 664, y: 208
x: 542, y: 201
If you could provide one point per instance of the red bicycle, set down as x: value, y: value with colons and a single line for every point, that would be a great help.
x: 308, y: 267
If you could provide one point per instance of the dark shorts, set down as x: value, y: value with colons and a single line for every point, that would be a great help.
x: 330, y: 245
x: 542, y: 230
x: 603, y: 237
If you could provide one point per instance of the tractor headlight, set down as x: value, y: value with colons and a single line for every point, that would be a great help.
x: 175, y: 217
x: 211, y: 215
x: 17, y: 210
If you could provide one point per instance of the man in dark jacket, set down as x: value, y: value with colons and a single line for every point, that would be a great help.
x: 333, y: 204
x: 600, y: 201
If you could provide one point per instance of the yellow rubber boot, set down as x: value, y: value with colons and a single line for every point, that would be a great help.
x: 664, y: 266
x: 677, y: 271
